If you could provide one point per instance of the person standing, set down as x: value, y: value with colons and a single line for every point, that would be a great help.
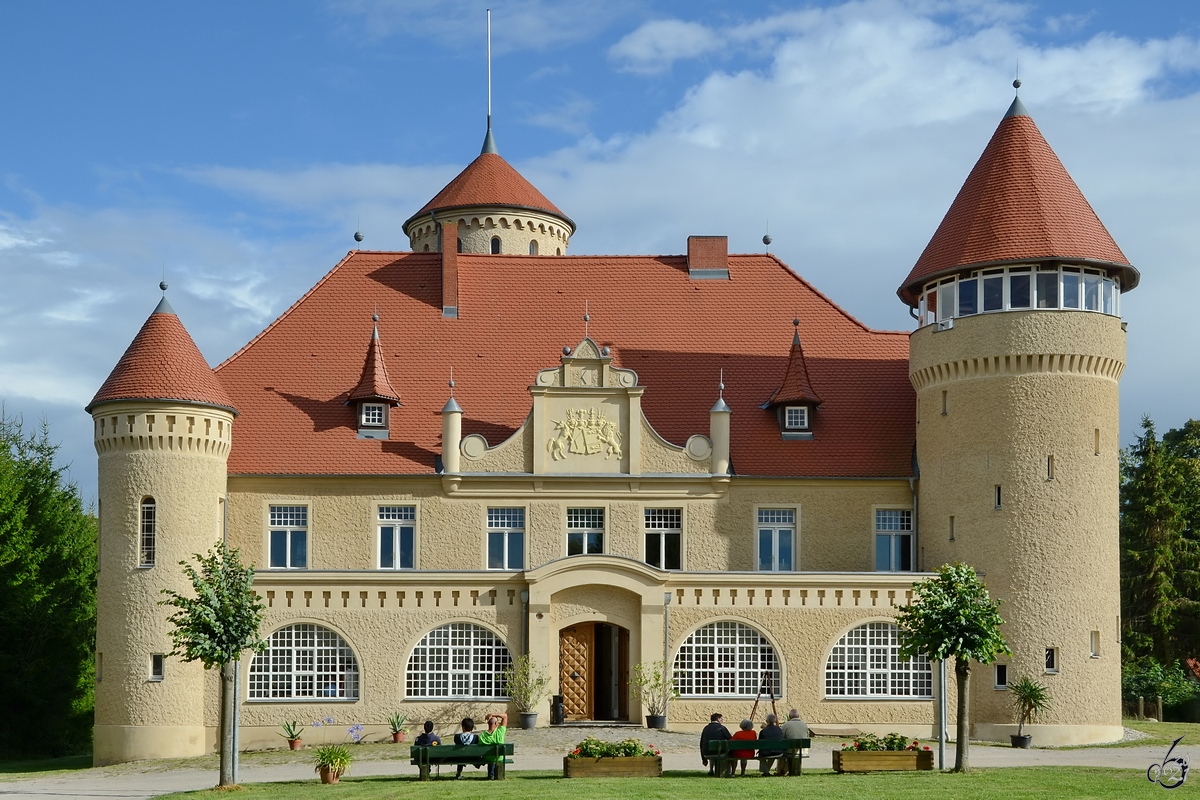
x: 714, y: 731
x: 794, y: 728
x: 497, y: 728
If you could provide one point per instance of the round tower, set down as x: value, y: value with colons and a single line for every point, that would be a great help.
x: 1015, y: 365
x: 497, y: 211
x: 163, y: 427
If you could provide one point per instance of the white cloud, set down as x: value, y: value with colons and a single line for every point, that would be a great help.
x: 569, y: 116
x: 656, y: 45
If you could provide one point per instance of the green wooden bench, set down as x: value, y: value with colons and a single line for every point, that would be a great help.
x: 423, y: 757
x: 793, y: 751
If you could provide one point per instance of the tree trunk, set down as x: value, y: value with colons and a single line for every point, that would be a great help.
x: 228, y: 699
x: 962, y: 749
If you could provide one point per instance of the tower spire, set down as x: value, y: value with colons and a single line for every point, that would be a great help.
x: 489, y: 143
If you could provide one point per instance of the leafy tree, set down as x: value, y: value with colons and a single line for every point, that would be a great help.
x: 1145, y: 677
x: 952, y: 616
x: 216, y: 626
x: 47, y: 599
x: 1160, y: 543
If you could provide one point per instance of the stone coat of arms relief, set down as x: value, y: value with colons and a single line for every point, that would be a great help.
x: 586, y: 433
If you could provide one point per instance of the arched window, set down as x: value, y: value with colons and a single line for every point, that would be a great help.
x: 495, y: 245
x: 148, y: 542
x: 459, y: 245
x: 866, y: 663
x: 305, y: 662
x: 458, y: 660
x: 726, y: 659
x: 426, y: 248
x: 558, y: 251
x: 533, y: 250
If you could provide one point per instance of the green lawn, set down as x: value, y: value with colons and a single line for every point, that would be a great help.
x: 983, y: 784
x: 1162, y: 733
x: 44, y: 765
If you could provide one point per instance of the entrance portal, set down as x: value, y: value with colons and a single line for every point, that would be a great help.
x: 593, y: 674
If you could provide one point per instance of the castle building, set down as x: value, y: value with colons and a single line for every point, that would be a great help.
x: 484, y: 470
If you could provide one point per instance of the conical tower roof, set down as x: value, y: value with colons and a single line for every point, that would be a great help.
x: 796, y: 388
x: 163, y: 363
x: 1018, y: 204
x: 374, y: 383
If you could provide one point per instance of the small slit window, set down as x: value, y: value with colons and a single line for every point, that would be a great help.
x: 157, y: 666
x: 1052, y: 659
x: 795, y: 418
x: 999, y: 497
x: 147, y: 550
x: 1095, y: 644
x: 533, y: 247
x: 1001, y: 676
x: 495, y: 245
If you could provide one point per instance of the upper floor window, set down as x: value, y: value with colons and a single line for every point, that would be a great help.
x: 1020, y: 288
x: 664, y: 534
x: 726, y: 659
x: 148, y: 541
x: 893, y: 539
x: 458, y: 660
x: 289, y: 537
x: 585, y: 531
x: 776, y: 539
x: 157, y: 666
x: 397, y: 537
x: 374, y: 415
x: 866, y: 662
x: 533, y: 247
x: 506, y: 538
x: 305, y: 662
x: 495, y: 245
x: 795, y: 418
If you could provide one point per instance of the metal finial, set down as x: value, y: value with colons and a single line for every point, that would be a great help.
x: 796, y: 322
x: 767, y: 239
x: 604, y: 351
x: 721, y: 384
x: 452, y: 381
x: 358, y: 237
x: 587, y: 318
x: 374, y: 318
x: 1017, y: 83
x: 566, y: 351
x: 163, y: 286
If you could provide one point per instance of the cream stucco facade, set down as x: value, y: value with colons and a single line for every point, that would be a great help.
x: 524, y: 231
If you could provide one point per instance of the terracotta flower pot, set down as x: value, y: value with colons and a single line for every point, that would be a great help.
x: 329, y: 775
x: 295, y: 744
x: 398, y: 736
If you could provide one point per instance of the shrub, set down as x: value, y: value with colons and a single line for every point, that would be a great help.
x: 591, y: 747
x: 1148, y: 678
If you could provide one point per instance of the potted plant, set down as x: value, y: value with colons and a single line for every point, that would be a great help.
x: 293, y: 732
x: 1030, y: 700
x: 332, y: 760
x: 527, y: 686
x: 593, y: 758
x: 396, y: 723
x: 654, y: 686
x: 891, y: 752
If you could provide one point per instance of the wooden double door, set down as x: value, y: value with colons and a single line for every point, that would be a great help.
x: 593, y: 662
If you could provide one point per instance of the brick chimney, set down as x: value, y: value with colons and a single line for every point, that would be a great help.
x: 448, y: 245
x: 708, y: 257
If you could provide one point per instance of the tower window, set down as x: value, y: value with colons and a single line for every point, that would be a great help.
x: 459, y: 245
x: 533, y: 247
x: 289, y: 537
x: 795, y: 418
x: 945, y: 402
x: 1097, y: 441
x: 1095, y: 644
x: 952, y: 531
x: 999, y: 497
x: 558, y: 251
x: 495, y: 245
x: 157, y: 666
x: 1051, y: 659
x: 1049, y: 468
x: 149, y: 533
x: 1001, y: 676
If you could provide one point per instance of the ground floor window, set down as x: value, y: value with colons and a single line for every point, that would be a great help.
x: 305, y: 662
x: 458, y: 660
x: 866, y: 662
x: 726, y: 659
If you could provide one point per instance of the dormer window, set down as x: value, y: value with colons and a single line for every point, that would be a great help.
x: 374, y: 415
x: 795, y: 418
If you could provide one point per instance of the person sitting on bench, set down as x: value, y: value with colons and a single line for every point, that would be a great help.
x: 745, y: 734
x: 467, y: 736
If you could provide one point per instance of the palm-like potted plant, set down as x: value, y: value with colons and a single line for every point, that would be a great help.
x: 396, y: 723
x: 292, y: 731
x: 527, y: 686
x: 654, y: 686
x: 1030, y: 700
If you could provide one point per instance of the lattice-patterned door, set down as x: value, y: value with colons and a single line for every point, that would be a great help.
x: 575, y: 646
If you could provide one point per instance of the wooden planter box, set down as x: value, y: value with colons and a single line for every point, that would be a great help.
x: 881, y: 760
x: 624, y: 767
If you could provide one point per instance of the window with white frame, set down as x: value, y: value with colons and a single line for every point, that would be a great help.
x: 585, y: 531
x: 1001, y: 676
x: 289, y: 537
x: 866, y: 662
x: 776, y: 539
x: 1018, y: 288
x: 664, y: 537
x: 893, y: 540
x: 458, y: 660
x: 795, y: 418
x: 157, y: 666
x: 506, y: 538
x: 373, y: 415
x: 147, y: 551
x: 1051, y: 659
x: 304, y: 662
x: 397, y: 537
x: 726, y: 659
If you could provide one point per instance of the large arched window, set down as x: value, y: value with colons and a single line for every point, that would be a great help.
x: 726, y: 659
x: 305, y: 662
x: 458, y: 660
x: 866, y: 663
x: 148, y: 541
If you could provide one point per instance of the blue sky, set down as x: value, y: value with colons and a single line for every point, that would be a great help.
x: 240, y: 145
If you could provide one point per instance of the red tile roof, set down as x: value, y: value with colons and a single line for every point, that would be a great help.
x: 1017, y: 204
x: 1194, y: 666
x: 489, y: 180
x: 374, y: 383
x: 163, y: 363
x: 515, y: 315
x: 796, y: 388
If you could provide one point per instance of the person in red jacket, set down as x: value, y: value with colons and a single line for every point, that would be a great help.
x: 745, y: 734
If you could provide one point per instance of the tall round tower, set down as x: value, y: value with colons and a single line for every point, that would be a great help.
x: 1015, y: 365
x: 497, y: 211
x: 163, y: 427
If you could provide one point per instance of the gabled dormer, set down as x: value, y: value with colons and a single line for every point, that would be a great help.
x: 373, y: 398
x: 795, y: 402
